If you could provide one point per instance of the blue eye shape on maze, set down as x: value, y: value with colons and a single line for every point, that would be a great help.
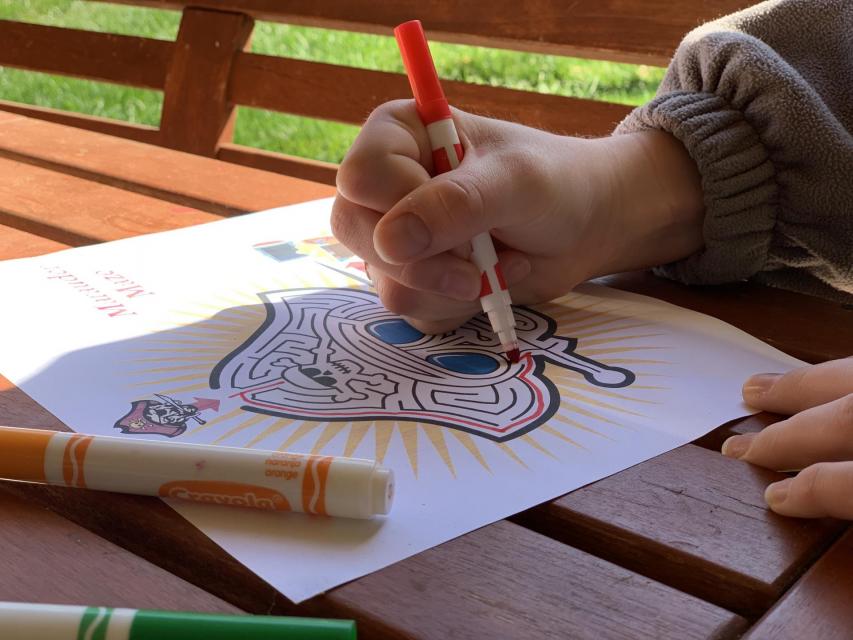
x: 398, y: 332
x: 394, y: 331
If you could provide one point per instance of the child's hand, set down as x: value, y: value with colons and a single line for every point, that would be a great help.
x: 560, y: 210
x: 817, y: 438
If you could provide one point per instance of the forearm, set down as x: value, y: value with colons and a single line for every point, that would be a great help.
x: 650, y: 202
x: 643, y: 198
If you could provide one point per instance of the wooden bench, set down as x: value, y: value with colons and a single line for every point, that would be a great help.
x: 207, y: 71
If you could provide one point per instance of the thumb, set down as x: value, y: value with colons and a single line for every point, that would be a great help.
x: 452, y: 208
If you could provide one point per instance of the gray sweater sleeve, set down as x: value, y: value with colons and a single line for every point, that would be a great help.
x: 763, y: 102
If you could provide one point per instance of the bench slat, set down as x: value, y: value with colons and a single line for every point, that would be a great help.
x: 130, y: 60
x: 347, y: 94
x: 197, y: 114
x: 293, y: 166
x: 138, y: 132
x: 79, y: 212
x: 303, y: 168
x: 645, y: 31
x: 182, y: 179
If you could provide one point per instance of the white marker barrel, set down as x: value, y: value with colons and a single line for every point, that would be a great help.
x: 447, y: 153
x: 25, y: 621
x: 271, y: 480
x: 446, y: 148
x: 61, y: 622
x: 494, y: 296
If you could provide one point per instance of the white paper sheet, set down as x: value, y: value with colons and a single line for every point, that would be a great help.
x: 242, y: 333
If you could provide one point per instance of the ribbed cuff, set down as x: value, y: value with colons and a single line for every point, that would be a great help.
x: 738, y: 182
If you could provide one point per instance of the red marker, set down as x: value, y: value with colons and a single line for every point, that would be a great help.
x: 447, y: 154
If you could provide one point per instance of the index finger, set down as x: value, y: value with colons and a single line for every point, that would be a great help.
x: 801, y: 388
x: 390, y: 158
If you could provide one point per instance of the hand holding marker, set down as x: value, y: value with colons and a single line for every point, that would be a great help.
x: 271, y: 480
x: 447, y: 153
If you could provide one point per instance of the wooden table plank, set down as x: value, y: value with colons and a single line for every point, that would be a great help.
x: 694, y: 520
x: 818, y: 606
x: 513, y: 566
x: 181, y: 178
x: 716, y: 543
x: 5, y: 116
x: 498, y: 581
x: 750, y: 591
x: 501, y: 581
x: 172, y: 543
x: 46, y: 558
x: 76, y: 212
x: 740, y: 559
x: 17, y: 409
x: 809, y: 328
x: 750, y: 424
x: 15, y: 243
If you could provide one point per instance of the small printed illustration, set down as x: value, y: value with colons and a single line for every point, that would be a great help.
x: 164, y: 416
x: 330, y: 354
x: 324, y: 250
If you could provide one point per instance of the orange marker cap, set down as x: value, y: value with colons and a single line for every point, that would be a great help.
x: 429, y: 96
x: 23, y: 453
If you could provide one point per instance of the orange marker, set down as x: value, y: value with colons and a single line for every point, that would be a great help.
x: 271, y: 480
x: 447, y: 153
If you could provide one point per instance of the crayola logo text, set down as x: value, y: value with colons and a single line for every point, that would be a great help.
x: 233, y: 494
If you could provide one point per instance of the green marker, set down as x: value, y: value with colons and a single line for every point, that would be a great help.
x: 20, y: 621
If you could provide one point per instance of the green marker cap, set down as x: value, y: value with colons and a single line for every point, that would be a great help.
x: 167, y: 625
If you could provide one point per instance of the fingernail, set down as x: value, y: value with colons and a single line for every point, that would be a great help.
x: 777, y: 492
x: 736, y: 446
x: 759, y: 384
x: 460, y: 285
x: 404, y: 237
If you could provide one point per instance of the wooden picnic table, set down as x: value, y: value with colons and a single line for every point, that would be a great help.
x: 681, y: 546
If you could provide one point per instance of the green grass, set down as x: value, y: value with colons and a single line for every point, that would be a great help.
x: 627, y: 84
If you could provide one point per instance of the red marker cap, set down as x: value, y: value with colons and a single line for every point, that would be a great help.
x: 432, y: 105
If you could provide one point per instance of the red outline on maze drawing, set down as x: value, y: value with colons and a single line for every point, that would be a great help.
x: 330, y: 373
x: 540, y: 407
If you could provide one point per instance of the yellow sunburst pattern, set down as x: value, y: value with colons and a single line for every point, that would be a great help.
x: 178, y: 360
